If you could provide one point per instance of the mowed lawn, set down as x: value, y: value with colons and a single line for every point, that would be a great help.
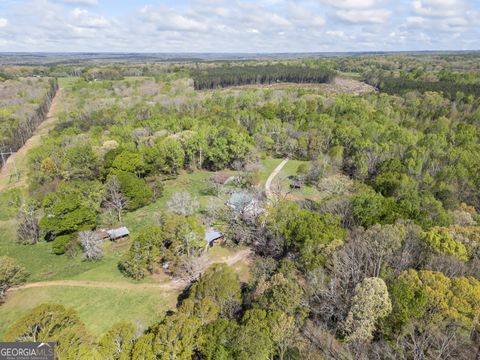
x: 196, y: 184
x: 268, y: 165
x: 290, y: 169
x: 43, y: 265
x: 99, y: 308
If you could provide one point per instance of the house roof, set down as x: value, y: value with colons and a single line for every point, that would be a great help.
x: 239, y: 200
x: 212, y: 235
x: 117, y: 233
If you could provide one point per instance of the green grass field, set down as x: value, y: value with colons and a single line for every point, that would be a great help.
x: 98, y: 308
x: 67, y: 82
x: 290, y: 168
x: 268, y: 165
x: 217, y: 253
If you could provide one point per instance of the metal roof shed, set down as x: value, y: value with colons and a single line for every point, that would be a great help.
x: 118, y: 233
x: 211, y: 235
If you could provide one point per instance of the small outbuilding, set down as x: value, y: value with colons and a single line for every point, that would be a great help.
x: 212, y: 236
x: 115, y: 234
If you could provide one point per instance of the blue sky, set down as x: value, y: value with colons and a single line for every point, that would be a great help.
x: 239, y: 26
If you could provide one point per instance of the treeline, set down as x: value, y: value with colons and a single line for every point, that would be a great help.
x: 399, y: 86
x: 15, y: 132
x: 220, y: 77
x: 91, y: 72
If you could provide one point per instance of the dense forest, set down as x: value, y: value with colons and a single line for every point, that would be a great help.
x: 450, y: 75
x: 376, y: 255
x: 218, y: 77
x: 450, y: 89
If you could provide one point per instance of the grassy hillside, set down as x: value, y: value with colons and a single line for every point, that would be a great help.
x: 99, y: 308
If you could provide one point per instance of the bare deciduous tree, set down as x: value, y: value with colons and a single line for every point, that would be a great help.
x: 190, y: 268
x: 329, y: 299
x: 447, y: 264
x: 366, y: 251
x: 279, y: 193
x: 429, y: 341
x: 182, y: 203
x: 115, y: 200
x: 91, y: 244
x: 340, y: 206
x: 28, y: 230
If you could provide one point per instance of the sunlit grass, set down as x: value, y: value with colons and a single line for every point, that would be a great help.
x: 99, y: 308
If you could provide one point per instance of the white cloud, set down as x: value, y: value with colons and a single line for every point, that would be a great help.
x: 438, y: 8
x: 165, y: 19
x: 279, y: 20
x: 443, y: 16
x: 81, y: 32
x: 415, y: 20
x: 374, y: 16
x: 81, y: 2
x: 360, y: 11
x: 79, y: 12
x: 255, y: 16
x: 304, y: 18
x: 241, y: 26
x: 83, y: 18
x: 351, y: 4
x: 337, y: 34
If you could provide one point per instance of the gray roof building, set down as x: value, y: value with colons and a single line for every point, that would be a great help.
x: 118, y: 233
x: 211, y: 235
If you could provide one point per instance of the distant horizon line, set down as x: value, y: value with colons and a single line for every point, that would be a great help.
x: 234, y: 53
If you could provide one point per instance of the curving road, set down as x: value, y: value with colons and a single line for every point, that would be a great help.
x: 268, y: 184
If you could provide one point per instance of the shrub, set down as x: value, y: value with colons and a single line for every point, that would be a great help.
x: 59, y: 245
x: 137, y: 192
